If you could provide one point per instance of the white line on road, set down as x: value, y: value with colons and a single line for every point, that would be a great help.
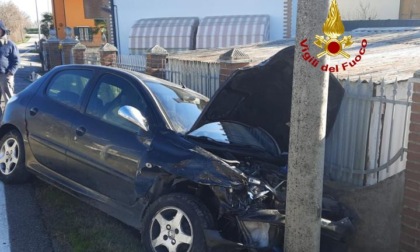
x: 4, y: 227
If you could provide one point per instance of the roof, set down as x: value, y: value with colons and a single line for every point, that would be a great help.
x: 171, y: 33
x: 355, y: 24
x: 225, y: 31
x: 391, y: 53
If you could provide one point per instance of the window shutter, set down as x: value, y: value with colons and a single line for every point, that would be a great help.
x: 90, y: 32
x: 76, y: 32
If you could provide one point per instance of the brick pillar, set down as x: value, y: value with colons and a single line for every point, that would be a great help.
x: 155, y: 61
x: 53, y: 50
x: 79, y: 53
x: 108, y: 55
x: 410, y: 217
x: 230, y: 62
x: 67, y: 45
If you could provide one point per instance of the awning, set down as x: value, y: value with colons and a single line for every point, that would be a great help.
x: 173, y: 34
x: 227, y: 31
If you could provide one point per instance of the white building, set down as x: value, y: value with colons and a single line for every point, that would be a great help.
x: 281, y: 20
x: 281, y: 13
x: 373, y: 9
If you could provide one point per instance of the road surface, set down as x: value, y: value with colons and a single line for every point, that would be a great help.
x: 21, y: 226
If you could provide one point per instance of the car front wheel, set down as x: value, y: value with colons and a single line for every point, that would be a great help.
x: 12, y: 158
x: 175, y: 222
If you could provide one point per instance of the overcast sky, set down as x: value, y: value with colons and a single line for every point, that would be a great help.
x: 28, y: 6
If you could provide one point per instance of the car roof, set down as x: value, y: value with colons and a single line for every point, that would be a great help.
x: 141, y: 76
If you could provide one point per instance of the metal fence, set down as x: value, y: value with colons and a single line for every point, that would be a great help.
x: 202, y: 77
x: 369, y: 139
x: 92, y: 58
x: 132, y: 62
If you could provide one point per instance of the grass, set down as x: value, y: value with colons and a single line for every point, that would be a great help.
x: 76, y: 226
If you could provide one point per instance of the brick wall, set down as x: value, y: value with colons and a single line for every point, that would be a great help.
x: 79, y: 53
x: 54, y: 53
x: 227, y: 68
x: 410, y: 216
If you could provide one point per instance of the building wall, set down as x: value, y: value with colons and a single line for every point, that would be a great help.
x: 410, y: 9
x: 383, y: 9
x: 75, y: 14
x: 130, y: 11
x: 59, y: 17
x: 70, y: 13
x: 410, y: 215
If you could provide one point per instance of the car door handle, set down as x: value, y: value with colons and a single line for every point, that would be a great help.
x: 80, y: 131
x: 33, y: 111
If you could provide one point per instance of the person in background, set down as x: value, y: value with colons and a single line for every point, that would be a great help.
x: 9, y: 62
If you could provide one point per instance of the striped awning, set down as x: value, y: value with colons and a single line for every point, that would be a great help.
x: 227, y: 31
x: 177, y: 33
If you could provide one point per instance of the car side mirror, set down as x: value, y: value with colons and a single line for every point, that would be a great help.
x: 133, y: 115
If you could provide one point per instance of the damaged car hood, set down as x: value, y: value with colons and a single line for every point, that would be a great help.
x: 261, y: 96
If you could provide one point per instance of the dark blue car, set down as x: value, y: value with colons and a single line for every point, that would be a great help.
x: 189, y: 174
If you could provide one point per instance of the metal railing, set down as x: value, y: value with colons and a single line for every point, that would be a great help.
x: 202, y: 77
x: 132, y: 62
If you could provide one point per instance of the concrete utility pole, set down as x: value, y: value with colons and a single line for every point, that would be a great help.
x: 37, y: 21
x: 307, y: 134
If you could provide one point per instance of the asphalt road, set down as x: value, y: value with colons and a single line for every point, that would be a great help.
x: 23, y: 217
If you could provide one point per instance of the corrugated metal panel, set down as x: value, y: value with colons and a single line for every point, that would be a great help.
x: 225, y: 31
x: 369, y: 138
x: 176, y: 33
x: 346, y: 145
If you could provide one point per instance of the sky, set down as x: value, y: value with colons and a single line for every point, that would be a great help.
x: 28, y: 6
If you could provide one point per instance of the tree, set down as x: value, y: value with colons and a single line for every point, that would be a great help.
x: 15, y: 20
x: 47, y: 22
x: 365, y: 12
x: 101, y: 27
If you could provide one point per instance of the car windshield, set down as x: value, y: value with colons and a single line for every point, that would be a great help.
x: 237, y: 135
x: 182, y: 106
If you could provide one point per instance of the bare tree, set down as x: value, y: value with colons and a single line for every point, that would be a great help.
x: 365, y: 12
x: 15, y: 19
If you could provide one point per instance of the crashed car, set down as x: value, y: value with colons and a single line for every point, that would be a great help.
x: 189, y: 173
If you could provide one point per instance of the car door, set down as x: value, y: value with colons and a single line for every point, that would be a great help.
x: 105, y: 150
x: 50, y: 113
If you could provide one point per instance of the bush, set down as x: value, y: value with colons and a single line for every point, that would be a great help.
x: 32, y: 30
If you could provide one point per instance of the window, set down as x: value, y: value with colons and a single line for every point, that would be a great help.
x: 111, y: 93
x: 84, y: 33
x: 67, y: 86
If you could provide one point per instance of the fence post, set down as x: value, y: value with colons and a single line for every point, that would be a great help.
x: 108, y: 55
x: 53, y: 50
x: 79, y: 53
x: 230, y: 62
x: 67, y: 45
x: 155, y: 61
x: 410, y: 217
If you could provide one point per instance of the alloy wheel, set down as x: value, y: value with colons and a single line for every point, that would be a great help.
x: 9, y: 156
x: 171, y: 230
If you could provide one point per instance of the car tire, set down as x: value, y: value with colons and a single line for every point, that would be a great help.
x: 12, y: 159
x: 175, y: 222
